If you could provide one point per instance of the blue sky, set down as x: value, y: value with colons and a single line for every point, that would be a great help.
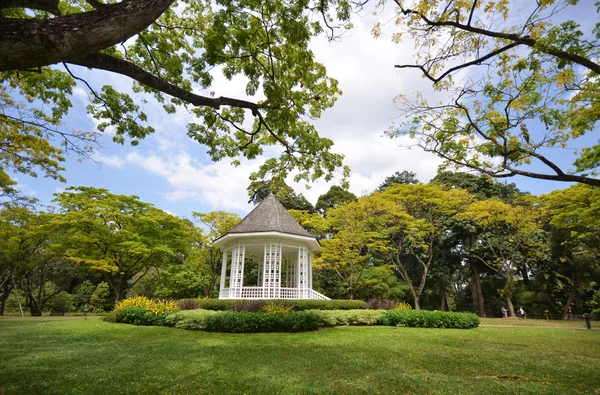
x: 173, y: 172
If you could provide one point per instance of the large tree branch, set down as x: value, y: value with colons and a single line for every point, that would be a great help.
x: 28, y: 43
x: 123, y: 67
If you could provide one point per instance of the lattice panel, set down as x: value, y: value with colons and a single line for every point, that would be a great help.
x: 272, y: 270
x: 236, y: 279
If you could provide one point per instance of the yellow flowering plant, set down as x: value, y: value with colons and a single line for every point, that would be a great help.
x: 158, y: 307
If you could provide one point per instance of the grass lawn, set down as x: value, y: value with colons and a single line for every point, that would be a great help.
x: 94, y: 357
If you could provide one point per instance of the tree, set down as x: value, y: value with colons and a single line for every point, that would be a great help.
x: 535, y: 92
x: 25, y: 260
x: 118, y: 236
x: 259, y: 190
x: 506, y: 234
x: 404, y: 177
x: 413, y: 218
x: 574, y: 222
x: 170, y: 54
x: 333, y: 198
x: 217, y: 223
x: 481, y: 186
x: 347, y: 252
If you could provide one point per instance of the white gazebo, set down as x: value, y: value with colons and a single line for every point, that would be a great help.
x: 268, y: 255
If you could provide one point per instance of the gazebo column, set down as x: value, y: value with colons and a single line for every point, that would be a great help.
x: 302, y: 272
x: 223, y: 273
x: 236, y: 277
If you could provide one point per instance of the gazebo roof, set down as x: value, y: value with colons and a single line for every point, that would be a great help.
x: 270, y: 216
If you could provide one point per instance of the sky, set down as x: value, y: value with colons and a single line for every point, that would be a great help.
x: 174, y: 173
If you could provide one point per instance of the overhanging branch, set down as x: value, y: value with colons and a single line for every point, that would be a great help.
x: 30, y: 43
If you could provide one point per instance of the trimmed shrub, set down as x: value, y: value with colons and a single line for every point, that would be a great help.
x: 378, y: 304
x: 137, y: 316
x: 242, y: 322
x: 60, y: 303
x: 140, y: 310
x: 190, y: 319
x: 429, y: 319
x: 158, y: 307
x: 296, y: 305
x: 348, y: 317
x: 403, y: 306
x: 595, y: 315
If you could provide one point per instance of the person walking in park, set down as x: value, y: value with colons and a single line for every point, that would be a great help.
x: 504, y: 312
x: 522, y: 313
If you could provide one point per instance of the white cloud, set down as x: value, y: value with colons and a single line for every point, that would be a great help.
x: 109, y: 160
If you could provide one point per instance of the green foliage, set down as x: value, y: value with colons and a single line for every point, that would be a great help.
x: 139, y: 316
x: 60, y: 303
x: 118, y: 236
x: 333, y: 198
x: 595, y: 315
x: 348, y: 317
x: 297, y: 305
x: 100, y: 300
x: 535, y: 93
x: 82, y: 294
x: 190, y: 319
x: 404, y: 177
x: 245, y: 322
x: 429, y: 319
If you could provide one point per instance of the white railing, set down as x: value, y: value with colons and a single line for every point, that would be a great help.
x: 270, y: 293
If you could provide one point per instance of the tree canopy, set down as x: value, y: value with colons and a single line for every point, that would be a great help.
x: 535, y: 91
x: 171, y: 54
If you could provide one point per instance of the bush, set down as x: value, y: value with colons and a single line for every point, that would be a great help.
x: 139, y: 316
x: 236, y: 322
x: 274, y: 308
x: 430, y: 319
x: 296, y: 305
x: 348, y: 317
x: 140, y: 310
x: 595, y: 314
x: 60, y: 303
x: 403, y: 306
x: 101, y: 300
x: 191, y: 319
x: 158, y: 307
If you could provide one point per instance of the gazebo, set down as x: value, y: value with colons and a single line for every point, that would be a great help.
x: 268, y: 255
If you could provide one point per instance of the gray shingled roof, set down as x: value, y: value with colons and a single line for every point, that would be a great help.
x: 270, y: 216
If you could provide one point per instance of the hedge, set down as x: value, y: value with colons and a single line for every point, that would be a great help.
x: 595, y: 314
x: 189, y: 319
x: 245, y: 322
x: 140, y: 316
x: 348, y: 317
x: 256, y: 305
x: 429, y: 319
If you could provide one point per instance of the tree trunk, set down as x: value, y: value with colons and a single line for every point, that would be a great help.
x: 30, y: 43
x: 444, y: 298
x: 476, y: 284
x: 571, y: 298
x: 511, y: 308
x: 6, y: 290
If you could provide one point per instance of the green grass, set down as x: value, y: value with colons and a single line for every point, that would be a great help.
x: 94, y: 357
